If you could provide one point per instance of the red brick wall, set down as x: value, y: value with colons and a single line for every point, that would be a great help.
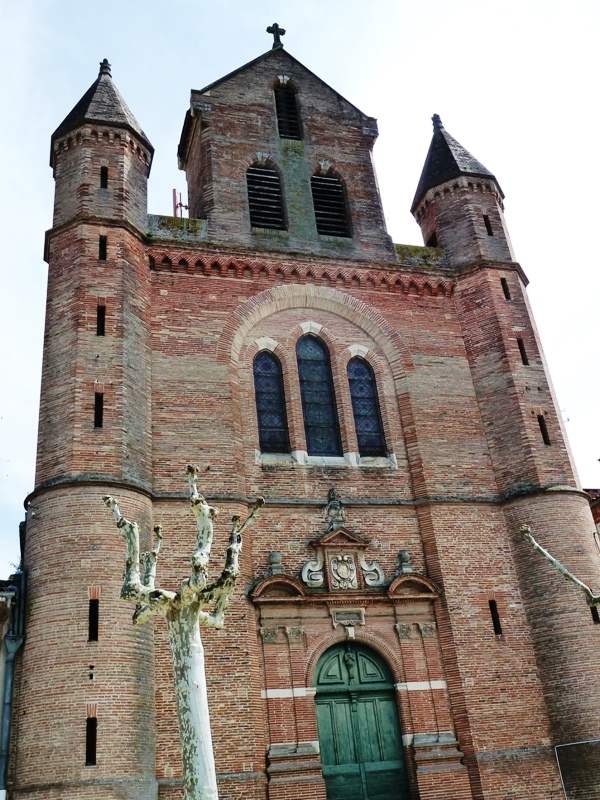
x: 467, y: 466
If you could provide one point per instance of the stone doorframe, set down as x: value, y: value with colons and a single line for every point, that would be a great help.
x: 297, y: 625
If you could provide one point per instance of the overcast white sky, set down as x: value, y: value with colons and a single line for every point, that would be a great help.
x: 516, y: 82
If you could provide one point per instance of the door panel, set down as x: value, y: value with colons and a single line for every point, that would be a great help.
x: 359, y: 733
x: 346, y: 785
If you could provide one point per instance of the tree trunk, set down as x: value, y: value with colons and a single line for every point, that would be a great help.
x: 199, y: 776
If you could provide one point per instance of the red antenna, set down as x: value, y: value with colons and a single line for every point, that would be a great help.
x: 178, y: 206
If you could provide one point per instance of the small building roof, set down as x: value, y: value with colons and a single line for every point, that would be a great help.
x: 447, y: 159
x: 101, y: 104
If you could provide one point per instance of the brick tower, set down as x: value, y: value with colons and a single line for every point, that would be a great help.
x: 94, y: 432
x: 392, y: 636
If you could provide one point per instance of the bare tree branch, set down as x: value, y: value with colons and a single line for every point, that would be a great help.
x: 149, y: 601
x: 592, y: 598
x: 221, y: 591
x: 148, y: 560
x: 185, y: 611
x: 205, y: 516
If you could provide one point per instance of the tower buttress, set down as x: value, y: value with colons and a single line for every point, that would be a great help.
x: 94, y: 433
x: 459, y: 206
x: 101, y: 158
x: 459, y: 203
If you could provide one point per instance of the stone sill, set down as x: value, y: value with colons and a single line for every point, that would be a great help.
x: 302, y: 458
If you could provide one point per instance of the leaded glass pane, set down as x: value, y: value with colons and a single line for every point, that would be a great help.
x: 365, y: 406
x: 270, y: 404
x: 318, y: 398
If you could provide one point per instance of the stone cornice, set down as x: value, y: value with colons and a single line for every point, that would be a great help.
x: 357, y: 502
x: 88, y: 219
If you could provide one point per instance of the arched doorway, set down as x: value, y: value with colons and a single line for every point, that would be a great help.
x: 359, y: 731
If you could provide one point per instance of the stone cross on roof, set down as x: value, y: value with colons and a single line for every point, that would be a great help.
x: 277, y: 34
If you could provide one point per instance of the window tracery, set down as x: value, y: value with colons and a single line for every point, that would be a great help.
x: 318, y: 398
x: 365, y: 407
x: 271, y: 413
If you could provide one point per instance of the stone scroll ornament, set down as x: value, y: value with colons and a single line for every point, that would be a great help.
x: 593, y: 598
x: 185, y: 611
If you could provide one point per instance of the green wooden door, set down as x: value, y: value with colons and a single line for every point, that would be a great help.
x: 359, y: 734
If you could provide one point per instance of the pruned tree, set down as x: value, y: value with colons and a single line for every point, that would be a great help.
x: 196, y: 603
x: 593, y: 598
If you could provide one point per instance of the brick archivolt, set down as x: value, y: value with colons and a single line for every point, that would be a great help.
x: 237, y: 332
x: 373, y: 640
x: 385, y: 352
x: 371, y: 279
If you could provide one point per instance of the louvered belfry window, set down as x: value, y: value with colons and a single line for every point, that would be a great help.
x: 288, y: 116
x: 265, y: 198
x: 329, y: 201
x: 365, y: 406
x: 318, y: 398
x: 270, y: 404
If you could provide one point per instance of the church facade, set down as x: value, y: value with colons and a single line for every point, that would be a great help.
x: 393, y: 635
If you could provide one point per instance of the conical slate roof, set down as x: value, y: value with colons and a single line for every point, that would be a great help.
x: 101, y: 104
x: 447, y: 159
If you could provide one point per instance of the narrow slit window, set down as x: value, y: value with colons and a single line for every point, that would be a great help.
x: 93, y: 619
x: 270, y: 404
x: 331, y: 208
x: 98, y: 409
x: 102, y: 243
x: 595, y: 615
x: 318, y: 398
x: 522, y: 351
x: 104, y: 177
x: 544, y: 429
x: 505, y: 288
x: 100, y: 320
x: 91, y: 739
x: 488, y: 225
x: 288, y: 115
x: 365, y: 407
x: 265, y: 198
x: 495, y: 617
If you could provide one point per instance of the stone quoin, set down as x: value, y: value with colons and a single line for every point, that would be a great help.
x: 392, y: 635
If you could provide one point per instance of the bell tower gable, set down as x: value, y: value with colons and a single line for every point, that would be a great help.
x: 276, y: 159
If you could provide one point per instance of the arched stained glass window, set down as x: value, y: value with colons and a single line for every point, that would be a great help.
x: 318, y: 398
x: 365, y: 406
x: 270, y: 404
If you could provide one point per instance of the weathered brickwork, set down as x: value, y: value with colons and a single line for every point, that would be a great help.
x: 189, y: 304
x: 233, y: 122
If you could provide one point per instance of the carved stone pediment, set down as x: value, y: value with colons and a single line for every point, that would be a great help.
x: 341, y: 537
x: 340, y: 563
